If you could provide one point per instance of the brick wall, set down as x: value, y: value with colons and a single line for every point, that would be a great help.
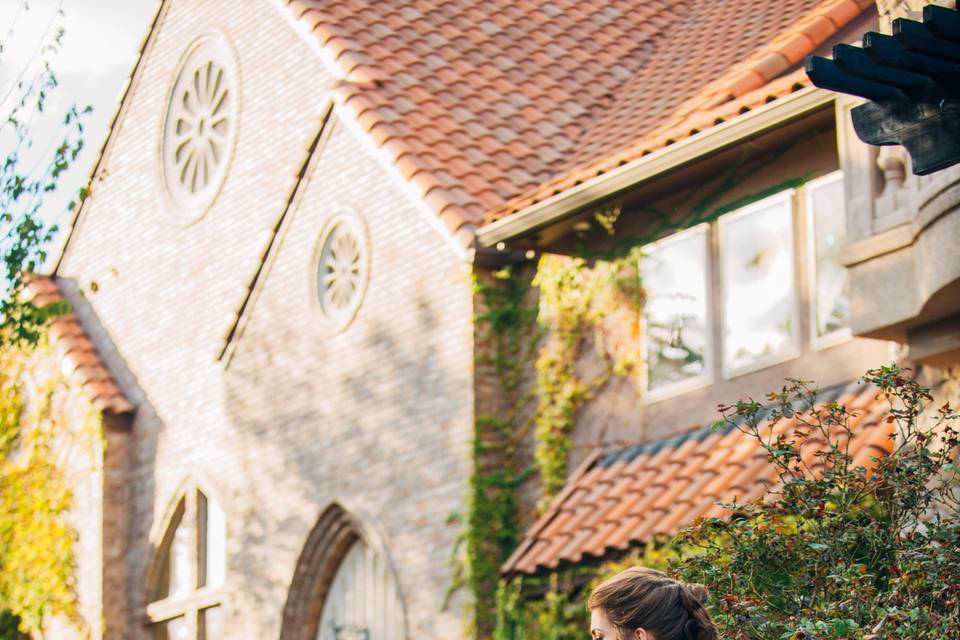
x: 378, y: 416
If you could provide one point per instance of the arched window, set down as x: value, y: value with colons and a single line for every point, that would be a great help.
x: 362, y: 603
x: 185, y: 597
x: 343, y: 587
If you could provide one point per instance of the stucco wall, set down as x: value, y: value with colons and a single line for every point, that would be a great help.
x: 378, y: 416
x: 619, y: 414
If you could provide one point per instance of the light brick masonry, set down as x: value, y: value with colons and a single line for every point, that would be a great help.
x: 213, y: 331
x: 377, y: 417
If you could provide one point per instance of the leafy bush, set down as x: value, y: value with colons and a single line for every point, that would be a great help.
x: 837, y: 550
x: 9, y: 626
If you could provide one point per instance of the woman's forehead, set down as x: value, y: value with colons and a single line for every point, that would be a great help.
x: 599, y: 621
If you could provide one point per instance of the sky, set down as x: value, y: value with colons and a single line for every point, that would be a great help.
x: 100, y: 44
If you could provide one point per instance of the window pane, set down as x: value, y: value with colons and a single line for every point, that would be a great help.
x: 212, y: 550
x: 675, y: 279
x: 173, y: 629
x: 363, y: 602
x: 179, y: 562
x: 173, y: 579
x: 758, y: 284
x: 211, y: 624
x: 826, y: 205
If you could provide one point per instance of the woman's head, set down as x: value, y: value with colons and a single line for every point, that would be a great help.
x: 644, y: 604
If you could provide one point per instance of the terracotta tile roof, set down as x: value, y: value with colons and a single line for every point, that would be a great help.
x: 80, y: 359
x: 769, y: 73
x: 480, y: 101
x: 628, y: 496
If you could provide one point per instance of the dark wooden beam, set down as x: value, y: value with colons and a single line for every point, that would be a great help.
x: 886, y: 51
x: 942, y: 21
x: 912, y: 80
x: 916, y: 37
x: 831, y: 76
x: 855, y: 62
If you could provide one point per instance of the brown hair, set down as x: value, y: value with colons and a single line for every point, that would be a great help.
x: 641, y: 598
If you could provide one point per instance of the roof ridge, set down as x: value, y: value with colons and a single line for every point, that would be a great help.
x: 698, y: 121
x: 356, y: 100
x: 474, y: 36
x: 357, y: 94
x: 606, y: 508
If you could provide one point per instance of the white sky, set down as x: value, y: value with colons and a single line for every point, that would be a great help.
x: 100, y: 43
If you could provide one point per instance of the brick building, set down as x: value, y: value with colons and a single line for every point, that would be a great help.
x: 273, y: 278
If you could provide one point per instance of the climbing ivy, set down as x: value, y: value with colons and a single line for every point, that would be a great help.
x: 506, y: 323
x: 557, y: 315
x: 549, y: 320
x: 39, y: 422
x: 575, y: 298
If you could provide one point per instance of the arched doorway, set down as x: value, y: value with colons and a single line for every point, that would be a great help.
x: 343, y: 587
x: 363, y: 602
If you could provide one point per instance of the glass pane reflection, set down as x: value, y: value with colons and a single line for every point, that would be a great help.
x: 758, y: 284
x: 674, y: 275
x: 826, y: 204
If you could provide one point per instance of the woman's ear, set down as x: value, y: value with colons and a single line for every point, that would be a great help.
x: 641, y: 634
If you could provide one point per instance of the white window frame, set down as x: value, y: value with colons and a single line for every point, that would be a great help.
x: 838, y: 336
x: 787, y: 196
x: 706, y: 378
x: 802, y: 228
x: 198, y: 597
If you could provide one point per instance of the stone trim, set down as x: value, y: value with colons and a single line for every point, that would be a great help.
x: 327, y: 544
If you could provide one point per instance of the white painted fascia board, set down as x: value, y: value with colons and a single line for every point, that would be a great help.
x: 716, y: 138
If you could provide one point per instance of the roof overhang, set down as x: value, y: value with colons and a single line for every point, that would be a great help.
x: 628, y: 176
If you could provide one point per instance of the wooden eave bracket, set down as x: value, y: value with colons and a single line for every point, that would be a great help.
x: 912, y: 80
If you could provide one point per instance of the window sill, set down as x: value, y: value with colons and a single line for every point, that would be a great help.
x: 832, y: 339
x: 730, y: 374
x: 677, y: 389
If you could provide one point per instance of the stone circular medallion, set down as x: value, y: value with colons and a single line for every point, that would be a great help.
x: 200, y: 126
x: 342, y: 269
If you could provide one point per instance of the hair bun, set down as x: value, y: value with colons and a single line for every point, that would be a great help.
x: 698, y: 592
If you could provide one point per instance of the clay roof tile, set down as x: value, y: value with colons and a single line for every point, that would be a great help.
x: 606, y: 76
x: 625, y: 496
x: 715, y: 75
x: 81, y: 361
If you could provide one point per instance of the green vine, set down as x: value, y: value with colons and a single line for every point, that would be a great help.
x: 548, y: 320
x: 575, y: 300
x: 507, y: 333
x: 576, y: 319
x: 554, y: 607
